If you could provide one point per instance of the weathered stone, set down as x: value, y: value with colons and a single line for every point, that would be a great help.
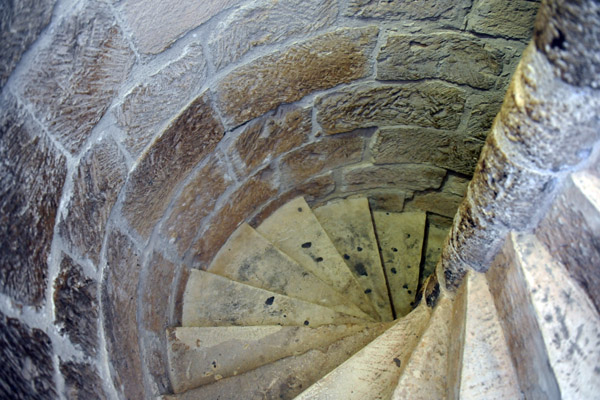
x: 419, y: 145
x: 428, y: 104
x: 456, y: 185
x: 441, y: 203
x: 272, y: 135
x: 81, y: 381
x: 158, y: 24
x: 119, y: 306
x: 73, y: 80
x: 156, y: 362
x: 267, y: 22
x: 482, y: 110
x: 96, y: 184
x: 511, y: 19
x: 453, y: 57
x: 432, y: 247
x: 27, y: 368
x: 178, y: 292
x: 407, y: 177
x: 76, y: 305
x: 288, y: 75
x: 387, y: 200
x: 32, y: 175
x: 195, y: 203
x: 322, y: 156
x: 21, y: 22
x: 144, y: 108
x: 447, y: 12
x: 156, y: 293
x: 191, y: 136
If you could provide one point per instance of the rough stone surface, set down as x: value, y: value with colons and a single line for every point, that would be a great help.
x: 428, y: 104
x: 265, y: 23
x: 195, y: 203
x: 191, y: 136
x: 26, y: 356
x: 96, y: 184
x: 157, y: 290
x: 441, y: 203
x: 432, y: 246
x: 387, y: 200
x: 456, y: 185
x: 511, y: 19
x: 407, y: 177
x: 76, y: 305
x: 73, y: 80
x: 453, y: 57
x: 81, y: 381
x: 482, y: 112
x: 286, y: 76
x: 419, y: 145
x: 21, y: 22
x: 151, y: 103
x: 119, y: 306
x: 157, y: 24
x: 32, y: 176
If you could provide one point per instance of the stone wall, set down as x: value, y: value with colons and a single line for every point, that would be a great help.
x: 137, y: 135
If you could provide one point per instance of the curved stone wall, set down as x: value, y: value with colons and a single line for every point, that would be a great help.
x: 137, y: 135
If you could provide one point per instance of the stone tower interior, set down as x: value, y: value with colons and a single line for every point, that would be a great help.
x: 138, y: 136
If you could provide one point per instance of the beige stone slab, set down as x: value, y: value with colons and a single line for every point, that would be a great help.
x: 285, y: 378
x: 249, y: 258
x: 373, y: 372
x: 425, y: 375
x: 487, y: 369
x: 436, y: 236
x: 349, y: 226
x: 198, y: 356
x: 295, y: 230
x: 401, y: 240
x: 211, y: 300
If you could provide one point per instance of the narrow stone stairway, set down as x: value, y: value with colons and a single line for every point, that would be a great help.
x: 326, y: 304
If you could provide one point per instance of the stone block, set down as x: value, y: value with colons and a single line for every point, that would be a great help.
x: 96, y: 184
x: 150, y: 104
x: 267, y: 22
x: 456, y: 185
x: 443, y: 149
x: 391, y: 201
x: 32, y: 175
x: 270, y: 136
x: 192, y: 135
x: 27, y: 367
x: 195, y: 203
x: 453, y: 57
x: 406, y: 177
x: 482, y: 110
x: 81, y: 381
x: 427, y: 104
x: 72, y: 81
x: 511, y: 19
x: 319, y: 63
x: 441, y: 203
x: 76, y: 306
x: 21, y: 23
x: 156, y: 293
x: 157, y: 24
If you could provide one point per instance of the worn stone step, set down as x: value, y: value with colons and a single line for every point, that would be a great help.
x: 198, y: 356
x: 287, y: 377
x: 373, y: 372
x: 212, y: 300
x: 295, y: 230
x: 349, y: 225
x: 425, y: 374
x: 551, y: 325
x: 249, y: 258
x: 400, y: 238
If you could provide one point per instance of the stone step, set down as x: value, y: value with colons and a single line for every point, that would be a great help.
x: 287, y: 377
x: 349, y: 225
x: 373, y: 372
x: 425, y: 375
x: 198, y: 356
x: 400, y: 238
x: 551, y: 325
x: 295, y: 230
x: 249, y: 258
x: 212, y: 300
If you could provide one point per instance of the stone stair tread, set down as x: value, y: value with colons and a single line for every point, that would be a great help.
x: 287, y: 377
x: 425, y: 374
x: 349, y: 225
x: 198, y: 356
x: 373, y: 372
x: 249, y: 258
x: 400, y: 238
x: 487, y: 369
x: 295, y: 230
x: 212, y: 300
